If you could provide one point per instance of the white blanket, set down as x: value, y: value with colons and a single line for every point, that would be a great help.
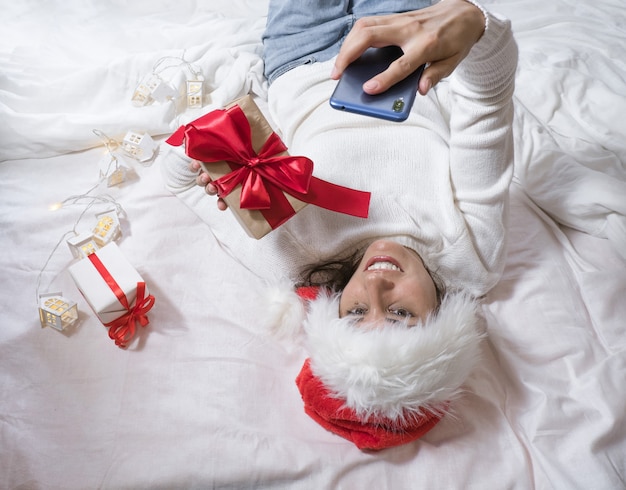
x: 61, y: 79
x: 205, y: 399
x: 571, y: 157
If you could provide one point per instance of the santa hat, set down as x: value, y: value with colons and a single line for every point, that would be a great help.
x: 380, y: 387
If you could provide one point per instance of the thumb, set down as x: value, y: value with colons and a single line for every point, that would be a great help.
x: 434, y: 73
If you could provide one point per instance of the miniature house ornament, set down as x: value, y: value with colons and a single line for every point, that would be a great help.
x: 107, y: 228
x: 56, y: 311
x: 152, y: 87
x: 141, y: 95
x: 160, y: 90
x: 195, y: 93
x: 112, y: 170
x: 140, y: 146
x: 82, y: 245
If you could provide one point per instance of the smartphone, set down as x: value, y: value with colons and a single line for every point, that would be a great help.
x: 393, y: 105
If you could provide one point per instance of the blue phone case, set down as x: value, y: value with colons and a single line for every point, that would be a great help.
x: 393, y: 105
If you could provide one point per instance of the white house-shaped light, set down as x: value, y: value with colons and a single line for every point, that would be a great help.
x: 117, y: 176
x: 111, y: 170
x: 139, y: 146
x: 82, y: 245
x: 107, y: 228
x: 195, y: 93
x: 141, y: 95
x: 160, y: 90
x: 152, y: 87
x: 56, y: 311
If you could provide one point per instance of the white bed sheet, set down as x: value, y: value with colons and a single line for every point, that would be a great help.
x: 204, y: 398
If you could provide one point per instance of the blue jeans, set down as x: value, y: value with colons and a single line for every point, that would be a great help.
x: 306, y: 31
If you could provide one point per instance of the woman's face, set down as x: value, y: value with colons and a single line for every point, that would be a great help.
x: 390, y: 284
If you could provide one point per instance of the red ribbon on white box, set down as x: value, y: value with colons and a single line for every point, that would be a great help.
x: 122, y: 330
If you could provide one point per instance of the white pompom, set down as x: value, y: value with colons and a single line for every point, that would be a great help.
x: 284, y: 311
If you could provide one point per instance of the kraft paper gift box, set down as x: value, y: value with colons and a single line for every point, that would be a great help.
x: 218, y: 142
x: 110, y: 284
x: 251, y: 220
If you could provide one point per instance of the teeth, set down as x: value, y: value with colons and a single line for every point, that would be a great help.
x: 388, y: 266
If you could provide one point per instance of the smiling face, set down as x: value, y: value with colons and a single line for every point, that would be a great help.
x: 390, y: 284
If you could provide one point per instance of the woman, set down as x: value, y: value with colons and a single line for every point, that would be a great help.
x: 435, y: 237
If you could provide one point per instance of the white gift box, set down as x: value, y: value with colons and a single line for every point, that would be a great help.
x: 94, y: 287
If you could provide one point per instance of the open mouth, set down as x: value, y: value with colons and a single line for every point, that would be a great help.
x: 383, y: 263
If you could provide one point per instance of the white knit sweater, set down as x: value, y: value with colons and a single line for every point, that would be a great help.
x: 439, y: 181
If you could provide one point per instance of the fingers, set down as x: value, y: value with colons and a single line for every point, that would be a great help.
x: 402, y: 30
x: 362, y: 36
x: 440, y: 35
x: 194, y: 166
x: 221, y: 204
x: 211, y: 190
x: 204, y: 180
x: 398, y: 70
x: 435, y: 72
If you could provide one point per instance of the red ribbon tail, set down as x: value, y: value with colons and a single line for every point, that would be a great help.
x: 123, y: 329
x: 123, y: 333
x: 337, y: 198
x: 177, y: 138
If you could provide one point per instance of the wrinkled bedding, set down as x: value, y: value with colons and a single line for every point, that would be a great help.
x: 203, y: 398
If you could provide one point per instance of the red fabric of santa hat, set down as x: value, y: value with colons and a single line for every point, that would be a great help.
x: 332, y: 414
x: 385, y: 386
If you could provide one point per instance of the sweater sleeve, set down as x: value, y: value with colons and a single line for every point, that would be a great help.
x: 481, y: 142
x: 175, y: 170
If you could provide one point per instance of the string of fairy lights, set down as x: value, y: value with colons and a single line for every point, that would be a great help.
x: 158, y: 86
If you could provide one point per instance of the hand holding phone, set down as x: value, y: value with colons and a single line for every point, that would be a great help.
x: 420, y: 35
x: 393, y: 105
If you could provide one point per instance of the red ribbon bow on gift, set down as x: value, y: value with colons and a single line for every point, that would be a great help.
x: 225, y: 135
x: 122, y: 330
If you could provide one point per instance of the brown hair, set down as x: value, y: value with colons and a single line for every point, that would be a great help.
x: 332, y: 274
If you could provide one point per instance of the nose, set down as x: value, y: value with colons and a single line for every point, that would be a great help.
x: 378, y: 282
x: 376, y: 286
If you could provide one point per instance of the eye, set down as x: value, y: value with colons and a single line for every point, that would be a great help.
x: 401, y: 312
x: 358, y: 311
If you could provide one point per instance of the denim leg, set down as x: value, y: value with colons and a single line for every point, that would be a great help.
x: 367, y: 8
x: 300, y: 32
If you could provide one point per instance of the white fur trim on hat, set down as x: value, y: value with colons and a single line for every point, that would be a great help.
x: 394, y: 371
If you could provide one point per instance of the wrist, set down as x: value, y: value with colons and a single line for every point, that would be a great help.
x: 482, y: 16
x: 483, y: 12
x: 493, y: 58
